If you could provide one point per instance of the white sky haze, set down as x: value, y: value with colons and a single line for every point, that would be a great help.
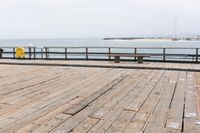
x: 97, y: 18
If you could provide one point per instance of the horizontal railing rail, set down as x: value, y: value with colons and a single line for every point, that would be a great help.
x: 162, y: 54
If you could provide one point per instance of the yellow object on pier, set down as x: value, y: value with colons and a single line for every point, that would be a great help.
x: 20, y: 52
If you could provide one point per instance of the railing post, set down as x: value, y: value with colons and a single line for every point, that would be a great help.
x: 164, y: 51
x: 14, y: 53
x: 109, y: 52
x: 65, y: 53
x: 42, y: 53
x: 86, y: 53
x: 46, y: 53
x: 135, y: 51
x: 1, y: 53
x: 197, y: 53
x: 29, y: 51
x: 34, y: 50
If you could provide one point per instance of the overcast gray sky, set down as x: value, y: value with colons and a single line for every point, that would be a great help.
x: 97, y: 18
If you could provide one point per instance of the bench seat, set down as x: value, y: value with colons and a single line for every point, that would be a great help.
x: 138, y: 56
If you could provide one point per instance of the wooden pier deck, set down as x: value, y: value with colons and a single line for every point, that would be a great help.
x: 60, y: 99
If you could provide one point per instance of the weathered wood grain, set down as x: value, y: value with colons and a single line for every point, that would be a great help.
x: 96, y: 100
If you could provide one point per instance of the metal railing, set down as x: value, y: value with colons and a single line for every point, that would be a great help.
x: 159, y: 54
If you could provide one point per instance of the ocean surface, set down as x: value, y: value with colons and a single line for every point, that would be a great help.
x: 95, y: 42
x: 99, y: 42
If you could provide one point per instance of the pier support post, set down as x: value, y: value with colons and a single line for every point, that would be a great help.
x: 135, y: 51
x: 197, y: 53
x: 29, y: 51
x: 1, y: 53
x: 65, y: 53
x: 109, y: 52
x: 42, y: 53
x: 14, y: 53
x: 86, y: 53
x: 164, y: 51
x: 34, y: 50
x: 46, y: 52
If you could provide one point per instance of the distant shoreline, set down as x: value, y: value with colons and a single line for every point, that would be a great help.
x: 140, y: 39
x: 124, y: 38
x: 149, y: 39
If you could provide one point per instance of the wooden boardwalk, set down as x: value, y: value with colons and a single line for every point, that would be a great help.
x: 60, y: 99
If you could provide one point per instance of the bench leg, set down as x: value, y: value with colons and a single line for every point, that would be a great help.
x: 117, y: 59
x: 140, y: 59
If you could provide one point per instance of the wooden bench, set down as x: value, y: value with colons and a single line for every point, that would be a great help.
x: 138, y: 56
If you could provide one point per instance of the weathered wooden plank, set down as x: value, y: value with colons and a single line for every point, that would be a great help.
x: 158, y: 119
x: 85, y: 126
x: 75, y: 88
x: 97, y: 94
x: 67, y: 79
x: 38, y: 117
x: 15, y: 70
x: 14, y: 77
x: 27, y: 84
x: 125, y: 101
x: 42, y: 111
x: 83, y: 114
x: 50, y: 106
x: 121, y: 122
x: 5, y: 122
x: 45, y: 122
x: 191, y: 114
x: 50, y: 124
x: 175, y: 114
x: 144, y: 112
x: 113, y: 109
x: 127, y: 84
x: 31, y: 93
x: 39, y: 108
x: 146, y: 90
x: 90, y: 105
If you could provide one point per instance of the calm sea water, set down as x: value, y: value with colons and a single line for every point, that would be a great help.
x: 99, y: 42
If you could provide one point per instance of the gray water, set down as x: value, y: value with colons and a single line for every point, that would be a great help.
x: 99, y: 42
x: 94, y: 42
